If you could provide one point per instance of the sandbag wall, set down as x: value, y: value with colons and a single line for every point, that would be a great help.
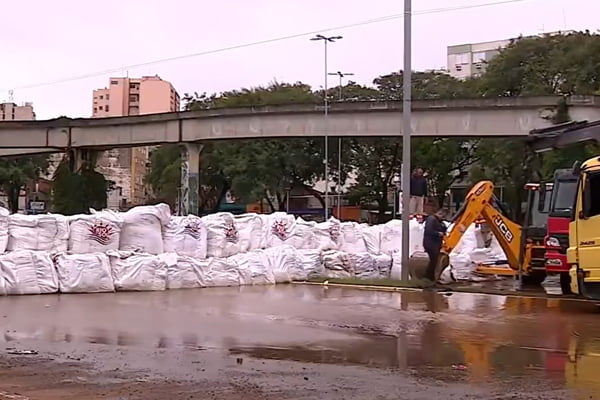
x: 146, y: 248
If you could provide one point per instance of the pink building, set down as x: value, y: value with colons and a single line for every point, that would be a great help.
x: 128, y: 167
x: 13, y: 112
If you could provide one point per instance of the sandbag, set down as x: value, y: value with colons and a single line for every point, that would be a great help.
x: 383, y: 263
x: 223, y: 272
x: 337, y: 264
x: 310, y: 262
x: 223, y: 238
x: 185, y: 272
x: 372, y: 237
x: 186, y: 236
x: 462, y: 266
x: 328, y: 235
x: 254, y: 268
x: 283, y: 260
x: 396, y: 270
x: 304, y: 234
x: 391, y: 237
x: 32, y: 232
x: 352, y: 238
x: 4, y: 214
x: 251, y: 233
x: 142, y: 229
x: 447, y: 276
x: 28, y: 272
x: 281, y: 229
x: 95, y: 233
x: 61, y: 240
x: 137, y: 272
x: 84, y: 273
x: 364, y: 266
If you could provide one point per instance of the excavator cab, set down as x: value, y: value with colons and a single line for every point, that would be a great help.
x: 522, y: 245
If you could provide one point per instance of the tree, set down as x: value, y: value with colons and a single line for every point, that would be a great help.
x: 16, y: 172
x: 425, y: 86
x: 164, y: 175
x: 75, y: 192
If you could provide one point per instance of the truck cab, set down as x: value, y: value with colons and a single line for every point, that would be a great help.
x: 559, y: 217
x: 583, y: 254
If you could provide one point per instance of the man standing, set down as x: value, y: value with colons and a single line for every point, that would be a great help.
x: 432, y: 240
x: 418, y: 191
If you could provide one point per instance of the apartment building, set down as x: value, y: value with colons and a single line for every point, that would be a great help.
x: 12, y: 112
x: 127, y: 167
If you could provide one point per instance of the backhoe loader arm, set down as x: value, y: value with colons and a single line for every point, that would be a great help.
x: 481, y: 202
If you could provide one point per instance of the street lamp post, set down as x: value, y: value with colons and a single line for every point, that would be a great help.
x: 326, y: 39
x: 341, y: 75
x: 406, y: 133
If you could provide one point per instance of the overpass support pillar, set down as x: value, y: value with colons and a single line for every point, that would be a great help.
x: 80, y: 157
x: 190, y: 178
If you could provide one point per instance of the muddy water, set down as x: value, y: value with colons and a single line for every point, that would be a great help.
x: 507, y: 344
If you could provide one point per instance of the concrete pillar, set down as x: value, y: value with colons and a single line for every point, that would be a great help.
x: 79, y: 157
x: 190, y: 178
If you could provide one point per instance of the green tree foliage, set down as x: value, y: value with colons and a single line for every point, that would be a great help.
x: 164, y: 176
x: 75, y: 192
x: 16, y: 172
x: 425, y: 86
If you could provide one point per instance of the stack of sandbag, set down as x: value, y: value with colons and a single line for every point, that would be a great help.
x: 95, y: 233
x: 254, y: 268
x: 44, y: 232
x: 328, y: 235
x: 186, y: 236
x: 84, y: 273
x: 137, y: 272
x: 352, y: 239
x: 185, y: 272
x: 4, y: 216
x: 27, y: 272
x: 223, y: 238
x: 280, y: 229
x: 337, y: 264
x: 143, y: 227
x: 283, y: 261
x: 251, y: 232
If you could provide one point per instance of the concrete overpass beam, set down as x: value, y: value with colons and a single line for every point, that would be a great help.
x: 190, y: 178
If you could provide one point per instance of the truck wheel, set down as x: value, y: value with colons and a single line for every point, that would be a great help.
x: 535, y: 278
x: 565, y: 283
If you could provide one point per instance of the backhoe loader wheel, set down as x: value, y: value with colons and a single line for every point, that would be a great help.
x: 534, y: 278
x: 565, y: 283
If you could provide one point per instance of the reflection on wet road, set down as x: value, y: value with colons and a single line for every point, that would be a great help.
x: 464, y: 337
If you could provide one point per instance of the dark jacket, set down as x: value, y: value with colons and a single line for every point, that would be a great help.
x: 418, y: 186
x: 432, y: 237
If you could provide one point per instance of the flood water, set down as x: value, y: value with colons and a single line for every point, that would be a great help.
x: 463, y: 337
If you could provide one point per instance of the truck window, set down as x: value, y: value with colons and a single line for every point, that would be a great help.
x: 563, y: 195
x: 593, y: 180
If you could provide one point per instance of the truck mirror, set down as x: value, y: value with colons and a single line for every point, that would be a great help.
x: 576, y: 169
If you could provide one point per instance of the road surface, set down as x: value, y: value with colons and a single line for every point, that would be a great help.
x: 297, y: 342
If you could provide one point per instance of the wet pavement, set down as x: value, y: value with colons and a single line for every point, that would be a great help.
x: 298, y: 342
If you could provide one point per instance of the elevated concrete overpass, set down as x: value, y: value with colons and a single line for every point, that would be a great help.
x: 495, y: 117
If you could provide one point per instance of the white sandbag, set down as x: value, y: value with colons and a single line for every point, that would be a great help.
x: 337, y: 264
x: 352, y: 238
x: 396, y: 271
x: 416, y: 232
x: 254, y: 268
x: 328, y: 235
x: 250, y: 228
x: 28, y: 272
x: 137, y: 272
x: 142, y: 229
x: 468, y: 242
x: 185, y: 272
x: 84, y: 273
x: 95, y: 233
x: 223, y: 238
x: 4, y: 214
x: 447, y: 276
x: 304, y: 235
x: 310, y: 262
x: 283, y: 260
x: 281, y: 229
x: 222, y: 272
x: 462, y: 266
x: 383, y: 262
x: 391, y: 237
x: 186, y: 236
x: 32, y: 232
x: 364, y: 266
x: 372, y: 237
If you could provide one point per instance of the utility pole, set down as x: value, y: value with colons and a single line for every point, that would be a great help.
x: 326, y: 39
x: 341, y: 75
x: 406, y: 133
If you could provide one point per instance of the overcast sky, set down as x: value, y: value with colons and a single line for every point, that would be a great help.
x: 46, y: 41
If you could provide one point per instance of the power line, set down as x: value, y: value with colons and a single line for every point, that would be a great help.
x: 266, y: 41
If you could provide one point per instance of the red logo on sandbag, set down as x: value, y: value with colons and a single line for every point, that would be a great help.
x: 279, y: 229
x: 231, y: 233
x: 194, y: 229
x: 334, y: 232
x: 101, y: 233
